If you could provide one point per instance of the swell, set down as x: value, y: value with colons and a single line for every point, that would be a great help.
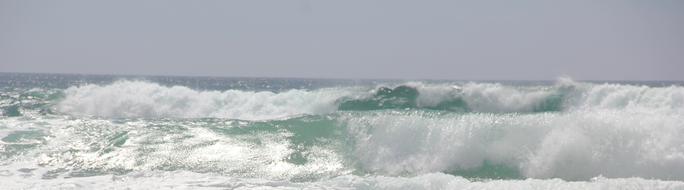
x: 137, y: 99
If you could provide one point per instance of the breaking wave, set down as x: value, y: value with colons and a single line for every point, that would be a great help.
x: 137, y: 99
x: 140, y: 134
x: 571, y: 146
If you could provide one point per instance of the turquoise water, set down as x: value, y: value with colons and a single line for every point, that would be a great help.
x: 80, y: 131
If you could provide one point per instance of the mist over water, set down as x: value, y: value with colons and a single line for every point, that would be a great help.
x: 68, y: 131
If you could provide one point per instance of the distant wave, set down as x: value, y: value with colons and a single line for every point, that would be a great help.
x: 126, y: 99
x: 471, y: 97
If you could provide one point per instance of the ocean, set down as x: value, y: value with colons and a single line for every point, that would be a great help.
x: 61, y: 131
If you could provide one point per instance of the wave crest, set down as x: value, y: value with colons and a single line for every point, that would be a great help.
x: 149, y: 100
x: 126, y: 99
x: 574, y: 146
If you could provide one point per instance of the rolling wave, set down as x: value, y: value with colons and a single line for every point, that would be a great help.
x: 573, y: 146
x: 471, y: 97
x: 567, y: 135
x: 136, y: 99
x: 570, y: 146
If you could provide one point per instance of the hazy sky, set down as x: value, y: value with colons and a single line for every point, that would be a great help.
x: 523, y: 40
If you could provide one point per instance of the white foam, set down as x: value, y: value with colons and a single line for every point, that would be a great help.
x: 631, y: 146
x: 577, y: 145
x: 75, y: 145
x: 484, y: 97
x: 190, y: 180
x: 638, y: 98
x: 149, y: 100
x: 499, y: 98
x: 135, y: 99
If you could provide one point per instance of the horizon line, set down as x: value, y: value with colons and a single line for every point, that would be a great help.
x: 332, y: 78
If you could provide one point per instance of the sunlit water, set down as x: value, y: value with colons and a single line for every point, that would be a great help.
x: 85, y: 132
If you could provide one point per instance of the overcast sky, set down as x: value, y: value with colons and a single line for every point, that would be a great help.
x: 495, y: 40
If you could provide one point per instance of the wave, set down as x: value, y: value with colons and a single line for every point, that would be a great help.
x: 135, y: 99
x: 629, y: 97
x: 471, y: 97
x: 572, y: 146
x: 138, y: 99
x: 409, y: 135
x: 304, y: 149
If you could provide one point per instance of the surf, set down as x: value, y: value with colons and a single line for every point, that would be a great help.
x: 465, y: 134
x: 139, y: 99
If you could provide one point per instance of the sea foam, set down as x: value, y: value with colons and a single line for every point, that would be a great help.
x: 189, y: 180
x: 125, y: 99
x: 574, y: 146
x: 138, y: 99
